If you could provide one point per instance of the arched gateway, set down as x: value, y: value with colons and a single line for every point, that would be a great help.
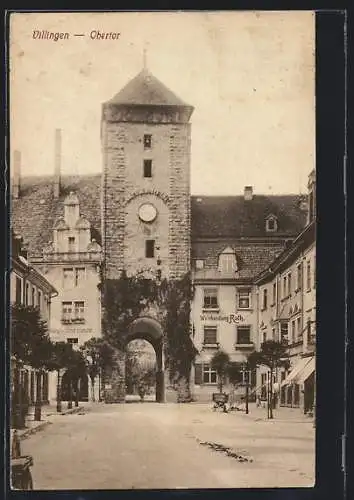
x: 149, y: 329
x: 145, y: 328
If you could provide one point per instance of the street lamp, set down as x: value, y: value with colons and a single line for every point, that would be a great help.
x: 245, y: 374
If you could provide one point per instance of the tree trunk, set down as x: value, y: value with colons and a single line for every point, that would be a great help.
x: 271, y: 395
x: 93, y: 399
x: 38, y: 404
x: 70, y: 402
x: 183, y: 390
x: 59, y: 407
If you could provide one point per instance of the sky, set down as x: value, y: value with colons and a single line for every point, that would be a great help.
x: 249, y: 75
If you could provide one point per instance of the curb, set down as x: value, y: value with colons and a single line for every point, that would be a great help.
x: 29, y: 432
x: 76, y: 409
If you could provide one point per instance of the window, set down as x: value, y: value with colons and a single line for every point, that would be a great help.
x: 265, y: 298
x: 210, y: 335
x: 79, y: 275
x: 308, y: 330
x: 284, y: 332
x: 299, y: 329
x: 39, y: 299
x: 68, y: 277
x: 199, y: 264
x: 73, y: 312
x: 147, y: 168
x: 66, y: 312
x: 243, y: 335
x: 293, y: 332
x: 308, y: 275
x: 71, y: 244
x: 149, y: 249
x: 18, y: 290
x: 273, y: 334
x: 227, y: 262
x: 274, y: 292
x: 27, y: 295
x: 79, y: 311
x: 147, y: 141
x: 244, y: 299
x: 209, y: 375
x: 33, y: 298
x: 314, y: 271
x: 299, y: 276
x: 271, y: 224
x: 210, y: 298
x: 264, y: 337
x: 72, y: 341
x: 289, y: 284
x: 284, y: 287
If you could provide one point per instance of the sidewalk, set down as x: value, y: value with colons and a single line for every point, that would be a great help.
x: 48, y: 411
x: 280, y: 414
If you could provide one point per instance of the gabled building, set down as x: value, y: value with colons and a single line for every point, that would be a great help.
x: 139, y: 215
x: 234, y: 238
x: 290, y: 314
x: 30, y: 288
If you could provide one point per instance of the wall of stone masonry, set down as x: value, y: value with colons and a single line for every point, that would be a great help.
x: 124, y: 188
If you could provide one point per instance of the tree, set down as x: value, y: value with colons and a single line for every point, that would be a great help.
x: 63, y: 356
x: 98, y: 354
x: 31, y: 345
x: 220, y: 362
x: 273, y: 355
x: 126, y: 298
x: 174, y: 298
x: 234, y: 373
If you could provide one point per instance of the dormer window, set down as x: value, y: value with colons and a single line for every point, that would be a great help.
x: 271, y: 224
x: 199, y: 264
x: 227, y: 261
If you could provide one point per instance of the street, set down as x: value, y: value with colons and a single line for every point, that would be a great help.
x: 158, y: 446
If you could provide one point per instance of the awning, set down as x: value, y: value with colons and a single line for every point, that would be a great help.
x: 307, y: 371
x: 300, y: 365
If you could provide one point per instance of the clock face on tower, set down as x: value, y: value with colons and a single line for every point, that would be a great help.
x: 147, y: 212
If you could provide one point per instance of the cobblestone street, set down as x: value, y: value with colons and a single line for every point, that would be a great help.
x: 171, y: 446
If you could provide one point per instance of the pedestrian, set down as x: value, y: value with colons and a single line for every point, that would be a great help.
x: 259, y: 401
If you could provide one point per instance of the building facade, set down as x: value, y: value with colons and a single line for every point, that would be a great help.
x: 139, y: 216
x: 290, y: 316
x: 30, y: 288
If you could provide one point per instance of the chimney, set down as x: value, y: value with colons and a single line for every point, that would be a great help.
x: 57, y: 163
x: 17, y: 175
x: 248, y: 193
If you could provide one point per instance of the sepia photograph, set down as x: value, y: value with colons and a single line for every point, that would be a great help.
x: 163, y: 250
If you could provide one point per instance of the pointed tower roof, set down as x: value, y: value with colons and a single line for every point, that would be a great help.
x: 145, y: 89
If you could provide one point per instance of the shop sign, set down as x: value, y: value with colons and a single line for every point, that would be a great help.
x: 71, y: 330
x: 228, y: 318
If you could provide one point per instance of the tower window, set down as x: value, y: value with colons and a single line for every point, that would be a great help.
x: 147, y: 168
x: 149, y: 249
x: 147, y: 141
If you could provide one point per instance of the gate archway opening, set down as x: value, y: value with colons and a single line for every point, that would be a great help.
x: 150, y: 330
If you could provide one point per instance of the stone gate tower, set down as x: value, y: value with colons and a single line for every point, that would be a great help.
x: 145, y: 134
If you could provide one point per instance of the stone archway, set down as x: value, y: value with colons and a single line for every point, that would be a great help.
x: 149, y: 329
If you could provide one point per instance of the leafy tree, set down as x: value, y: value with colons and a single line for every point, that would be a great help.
x: 31, y: 345
x: 98, y: 354
x: 126, y: 298
x: 174, y: 297
x: 220, y: 362
x: 273, y: 355
x: 63, y: 356
x: 234, y: 373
